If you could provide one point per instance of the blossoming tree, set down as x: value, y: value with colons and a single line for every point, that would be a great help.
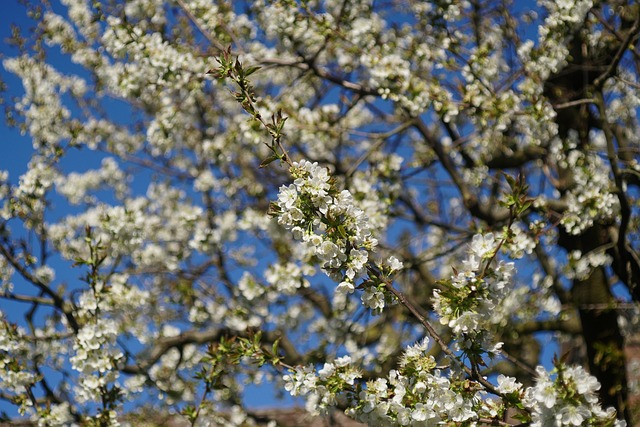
x: 387, y: 208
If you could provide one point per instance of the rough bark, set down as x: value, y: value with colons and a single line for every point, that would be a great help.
x: 592, y: 296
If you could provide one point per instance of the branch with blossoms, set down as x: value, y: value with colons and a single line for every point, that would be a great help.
x: 329, y: 223
x: 97, y: 355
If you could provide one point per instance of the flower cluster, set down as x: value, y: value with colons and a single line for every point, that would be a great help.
x: 323, y: 388
x: 288, y: 277
x: 520, y: 242
x: 558, y: 29
x: 421, y: 393
x: 417, y: 393
x: 54, y: 415
x: 467, y: 301
x: 591, y: 198
x: 327, y: 220
x: 580, y: 266
x: 14, y: 379
x: 96, y: 357
x: 565, y: 397
x: 75, y: 186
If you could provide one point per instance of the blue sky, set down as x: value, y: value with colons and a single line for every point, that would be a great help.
x: 15, y: 150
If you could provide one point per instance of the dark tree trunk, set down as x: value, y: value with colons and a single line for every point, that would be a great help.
x: 600, y: 331
x: 592, y: 296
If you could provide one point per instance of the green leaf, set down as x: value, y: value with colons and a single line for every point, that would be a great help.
x: 269, y: 160
x: 511, y: 181
x: 251, y: 70
x: 189, y: 412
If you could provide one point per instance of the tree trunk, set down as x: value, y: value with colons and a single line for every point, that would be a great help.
x: 592, y: 295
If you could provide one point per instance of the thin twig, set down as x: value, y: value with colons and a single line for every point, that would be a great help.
x: 434, y: 334
x: 573, y: 103
x: 376, y: 146
x: 624, y: 45
x: 202, y: 30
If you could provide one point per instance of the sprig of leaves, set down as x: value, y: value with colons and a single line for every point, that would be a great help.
x: 233, y: 69
x: 516, y: 200
x: 228, y: 352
